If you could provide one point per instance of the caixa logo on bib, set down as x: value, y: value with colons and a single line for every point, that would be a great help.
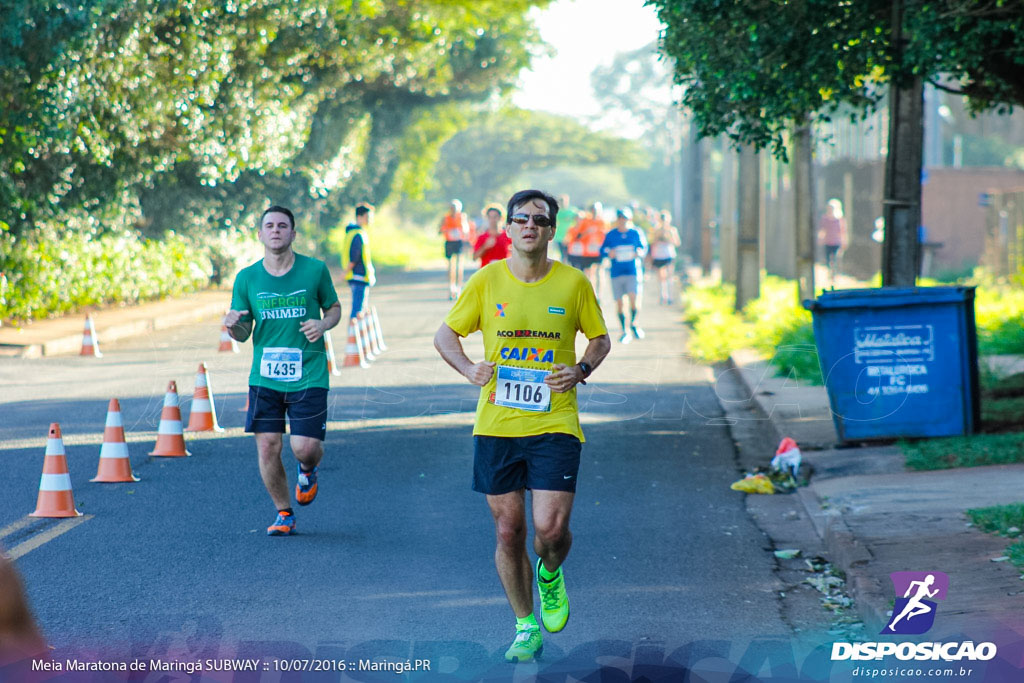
x: 913, y: 613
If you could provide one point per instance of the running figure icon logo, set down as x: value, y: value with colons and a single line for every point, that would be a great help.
x: 500, y: 313
x: 914, y: 610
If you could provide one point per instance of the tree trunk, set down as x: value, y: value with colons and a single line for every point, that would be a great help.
x: 694, y: 193
x: 727, y: 214
x: 803, y: 193
x: 902, y: 203
x: 748, y: 242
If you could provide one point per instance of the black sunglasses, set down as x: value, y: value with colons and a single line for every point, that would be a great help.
x: 539, y: 219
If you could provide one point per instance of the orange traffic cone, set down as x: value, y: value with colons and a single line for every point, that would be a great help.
x: 364, y: 332
x: 90, y: 344
x: 378, y: 332
x: 55, y: 497
x: 114, y: 464
x: 170, y: 442
x: 332, y: 360
x: 354, y: 355
x: 203, y: 416
x: 227, y: 342
x: 246, y: 408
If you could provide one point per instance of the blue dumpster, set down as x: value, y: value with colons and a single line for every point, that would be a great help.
x: 899, y: 362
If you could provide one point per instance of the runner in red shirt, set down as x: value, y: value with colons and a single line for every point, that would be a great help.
x: 493, y: 244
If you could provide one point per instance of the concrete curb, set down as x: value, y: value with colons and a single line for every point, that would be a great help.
x: 70, y: 344
x: 845, y: 551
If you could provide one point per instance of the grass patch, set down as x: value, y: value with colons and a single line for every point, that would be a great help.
x: 1003, y: 520
x: 774, y: 324
x: 780, y: 328
x: 964, y: 451
x: 999, y: 519
x: 998, y: 414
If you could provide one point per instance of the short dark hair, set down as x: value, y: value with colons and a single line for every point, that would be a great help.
x: 524, y: 196
x: 278, y: 209
x: 363, y: 209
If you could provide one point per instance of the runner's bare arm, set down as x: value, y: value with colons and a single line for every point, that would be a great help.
x: 314, y: 329
x: 449, y: 345
x: 238, y: 329
x: 563, y: 378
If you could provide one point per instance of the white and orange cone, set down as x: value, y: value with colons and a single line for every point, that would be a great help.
x: 115, y: 466
x: 332, y: 360
x: 354, y: 354
x: 227, y: 342
x: 90, y: 344
x: 170, y: 442
x: 377, y: 330
x: 364, y: 331
x: 55, y: 496
x: 245, y: 409
x: 203, y: 416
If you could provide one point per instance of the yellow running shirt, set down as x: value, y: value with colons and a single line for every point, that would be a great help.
x: 527, y: 328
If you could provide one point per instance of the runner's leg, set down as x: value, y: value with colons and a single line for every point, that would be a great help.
x: 268, y: 445
x: 552, y: 538
x: 510, y: 557
x: 307, y: 450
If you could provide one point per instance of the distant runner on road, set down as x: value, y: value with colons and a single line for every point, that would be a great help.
x: 664, y: 241
x: 626, y: 246
x: 356, y: 260
x: 492, y: 244
x: 278, y: 300
x: 527, y: 433
x: 455, y: 229
x: 583, y: 243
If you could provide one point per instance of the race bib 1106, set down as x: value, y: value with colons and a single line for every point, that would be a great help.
x: 522, y: 388
x: 281, y: 363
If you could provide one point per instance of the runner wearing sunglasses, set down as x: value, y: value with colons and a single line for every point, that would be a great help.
x: 527, y: 431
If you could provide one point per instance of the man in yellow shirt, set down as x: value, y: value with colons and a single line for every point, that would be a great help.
x: 527, y: 433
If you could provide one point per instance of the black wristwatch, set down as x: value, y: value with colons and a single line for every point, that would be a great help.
x: 585, y: 367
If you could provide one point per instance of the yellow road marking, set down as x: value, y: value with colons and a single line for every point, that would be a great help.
x: 39, y: 539
x: 15, y: 526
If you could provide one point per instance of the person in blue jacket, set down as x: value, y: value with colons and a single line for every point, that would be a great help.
x: 626, y: 247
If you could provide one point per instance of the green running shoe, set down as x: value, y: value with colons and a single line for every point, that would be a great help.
x: 527, y: 646
x: 554, y: 603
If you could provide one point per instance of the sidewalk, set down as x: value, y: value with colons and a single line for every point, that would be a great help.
x: 64, y: 335
x: 876, y: 517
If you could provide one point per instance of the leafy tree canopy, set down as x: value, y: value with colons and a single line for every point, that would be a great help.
x: 479, y: 163
x: 194, y: 109
x: 750, y: 68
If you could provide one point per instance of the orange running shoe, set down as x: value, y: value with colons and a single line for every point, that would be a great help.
x: 305, y: 489
x: 284, y: 525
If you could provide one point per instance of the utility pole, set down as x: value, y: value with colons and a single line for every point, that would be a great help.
x: 803, y: 197
x: 748, y: 241
x: 902, y: 202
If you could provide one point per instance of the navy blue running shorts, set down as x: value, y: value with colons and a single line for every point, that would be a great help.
x: 452, y: 247
x: 546, y: 462
x: 306, y: 410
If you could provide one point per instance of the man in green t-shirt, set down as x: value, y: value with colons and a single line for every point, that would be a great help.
x: 278, y: 300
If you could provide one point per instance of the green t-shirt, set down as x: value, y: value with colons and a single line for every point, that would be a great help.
x: 283, y: 359
x: 563, y: 222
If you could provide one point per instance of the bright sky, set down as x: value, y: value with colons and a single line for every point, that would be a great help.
x: 585, y: 33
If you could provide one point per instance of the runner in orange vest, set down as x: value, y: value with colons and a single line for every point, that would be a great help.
x: 455, y: 229
x: 584, y: 244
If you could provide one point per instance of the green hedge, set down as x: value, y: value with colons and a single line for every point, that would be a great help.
x: 53, y: 272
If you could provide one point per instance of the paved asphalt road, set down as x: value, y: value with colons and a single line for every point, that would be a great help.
x: 394, y: 559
